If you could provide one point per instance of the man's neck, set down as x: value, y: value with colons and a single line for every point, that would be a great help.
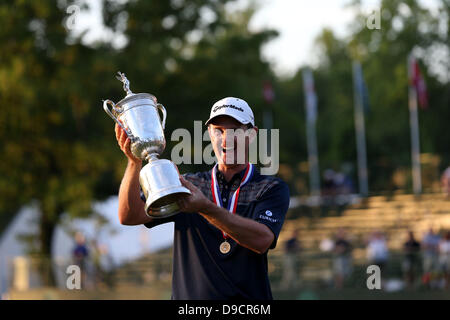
x: 229, y: 171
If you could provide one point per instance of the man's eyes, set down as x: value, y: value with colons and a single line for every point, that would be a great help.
x: 236, y: 131
x: 218, y: 132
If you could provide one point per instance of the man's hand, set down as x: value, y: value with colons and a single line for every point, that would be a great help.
x: 195, y: 202
x: 125, y: 144
x: 247, y: 232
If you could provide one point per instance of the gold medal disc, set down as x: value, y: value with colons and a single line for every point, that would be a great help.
x: 225, y: 247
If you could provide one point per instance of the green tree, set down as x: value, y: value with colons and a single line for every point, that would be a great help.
x: 58, y: 146
x: 405, y: 27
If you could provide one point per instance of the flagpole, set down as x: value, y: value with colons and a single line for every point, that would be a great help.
x: 414, y: 124
x: 313, y: 159
x: 269, y: 97
x: 360, y: 131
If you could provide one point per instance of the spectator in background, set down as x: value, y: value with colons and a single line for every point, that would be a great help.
x: 445, y: 181
x: 290, y: 262
x: 326, y: 245
x: 430, y: 249
x: 96, y: 258
x: 80, y: 255
x: 329, y: 186
x: 377, y: 251
x: 347, y: 185
x: 411, y: 259
x: 444, y: 258
x: 342, y: 259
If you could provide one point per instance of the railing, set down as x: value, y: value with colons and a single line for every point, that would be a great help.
x: 150, y: 278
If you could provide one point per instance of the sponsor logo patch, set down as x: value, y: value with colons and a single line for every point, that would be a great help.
x: 261, y: 216
x: 217, y: 108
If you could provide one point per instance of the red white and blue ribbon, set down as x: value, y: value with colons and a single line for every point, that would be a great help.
x: 232, y: 204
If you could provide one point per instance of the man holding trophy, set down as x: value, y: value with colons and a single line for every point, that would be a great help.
x: 226, y: 219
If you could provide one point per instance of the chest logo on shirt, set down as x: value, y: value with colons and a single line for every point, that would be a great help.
x: 268, y: 213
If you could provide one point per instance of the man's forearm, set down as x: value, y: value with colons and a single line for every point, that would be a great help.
x: 248, y: 233
x: 131, y: 207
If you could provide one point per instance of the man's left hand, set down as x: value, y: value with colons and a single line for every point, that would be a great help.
x: 195, y: 202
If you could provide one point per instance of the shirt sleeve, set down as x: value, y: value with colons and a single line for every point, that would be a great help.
x: 272, y: 207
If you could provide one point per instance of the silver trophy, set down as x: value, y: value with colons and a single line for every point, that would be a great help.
x: 138, y: 115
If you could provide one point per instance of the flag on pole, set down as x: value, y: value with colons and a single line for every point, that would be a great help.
x: 310, y: 96
x: 361, y: 107
x: 417, y: 93
x: 417, y: 81
x: 361, y: 88
x: 268, y: 93
x: 311, y: 117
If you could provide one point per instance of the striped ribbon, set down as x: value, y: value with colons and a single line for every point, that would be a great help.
x: 232, y: 204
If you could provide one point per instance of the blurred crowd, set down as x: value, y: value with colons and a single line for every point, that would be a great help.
x: 337, y: 182
x: 337, y: 186
x: 423, y: 263
x: 95, y: 262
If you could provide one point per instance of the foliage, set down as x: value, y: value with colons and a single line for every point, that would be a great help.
x: 58, y: 146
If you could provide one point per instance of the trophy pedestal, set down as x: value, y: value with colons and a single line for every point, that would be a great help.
x: 161, y: 186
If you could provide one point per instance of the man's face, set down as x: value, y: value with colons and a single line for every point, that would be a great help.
x: 230, y: 140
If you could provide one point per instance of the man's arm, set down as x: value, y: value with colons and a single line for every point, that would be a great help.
x: 131, y: 206
x: 247, y: 232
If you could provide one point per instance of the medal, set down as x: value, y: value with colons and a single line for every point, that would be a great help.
x: 225, y: 246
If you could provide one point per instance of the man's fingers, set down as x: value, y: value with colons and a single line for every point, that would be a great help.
x: 181, y: 201
x: 118, y: 131
x: 126, y: 144
x: 186, y: 183
x: 127, y: 147
x: 122, y: 138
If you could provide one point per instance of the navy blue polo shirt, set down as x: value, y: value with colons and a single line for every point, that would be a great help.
x: 200, y: 270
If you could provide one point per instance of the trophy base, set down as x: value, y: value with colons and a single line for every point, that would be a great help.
x: 165, y: 206
x: 161, y: 185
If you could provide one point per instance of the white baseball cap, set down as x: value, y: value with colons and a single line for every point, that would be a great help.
x: 233, y: 107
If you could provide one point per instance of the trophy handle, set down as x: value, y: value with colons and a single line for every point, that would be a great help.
x: 113, y: 105
x: 163, y: 110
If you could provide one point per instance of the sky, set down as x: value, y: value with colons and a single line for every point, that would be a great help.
x: 298, y: 22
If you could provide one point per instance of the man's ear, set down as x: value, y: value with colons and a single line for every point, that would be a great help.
x: 210, y: 132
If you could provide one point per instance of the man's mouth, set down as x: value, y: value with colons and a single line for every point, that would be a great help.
x: 224, y: 150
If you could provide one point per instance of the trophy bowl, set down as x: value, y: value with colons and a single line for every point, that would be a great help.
x: 138, y: 115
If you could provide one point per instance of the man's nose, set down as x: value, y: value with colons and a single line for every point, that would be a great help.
x: 228, y: 138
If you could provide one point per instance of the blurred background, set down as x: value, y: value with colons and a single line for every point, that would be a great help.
x: 358, y: 89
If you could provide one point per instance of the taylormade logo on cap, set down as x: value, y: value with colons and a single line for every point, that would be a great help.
x: 216, y: 108
x: 233, y: 107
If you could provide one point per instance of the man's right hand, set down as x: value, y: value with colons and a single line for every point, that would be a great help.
x: 125, y: 144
